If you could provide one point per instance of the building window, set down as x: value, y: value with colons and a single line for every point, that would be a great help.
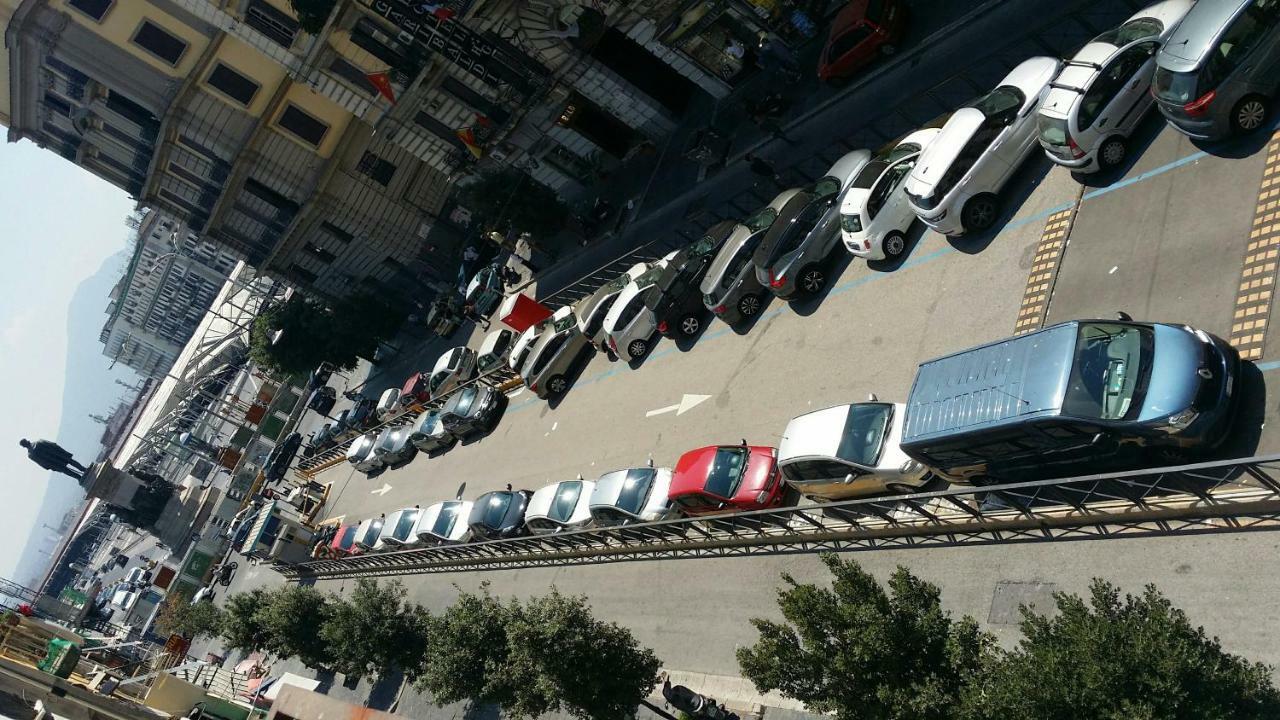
x: 232, y: 84
x: 379, y: 170
x: 95, y: 9
x: 276, y: 25
x: 319, y: 253
x: 159, y: 42
x: 356, y: 77
x: 367, y: 36
x: 57, y: 105
x: 338, y: 233
x: 303, y: 125
x: 303, y: 274
x: 428, y: 122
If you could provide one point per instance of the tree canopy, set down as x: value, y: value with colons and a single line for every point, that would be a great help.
x: 374, y: 631
x: 290, y: 617
x: 179, y: 616
x: 242, y: 627
x: 313, y: 332
x: 509, y: 199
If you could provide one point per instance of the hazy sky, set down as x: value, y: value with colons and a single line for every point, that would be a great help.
x: 59, y: 223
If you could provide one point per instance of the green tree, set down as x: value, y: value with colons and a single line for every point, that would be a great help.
x: 857, y: 651
x: 467, y: 652
x: 178, y: 616
x: 509, y: 198
x: 242, y: 627
x: 312, y: 14
x: 375, y: 631
x: 289, y: 618
x: 311, y: 332
x: 1130, y: 658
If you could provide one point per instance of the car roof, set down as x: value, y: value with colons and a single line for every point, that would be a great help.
x: 792, y: 209
x: 540, y: 504
x: 610, y: 485
x: 946, y: 147
x: 847, y: 167
x: 1192, y: 41
x: 739, y: 237
x: 429, y: 516
x: 990, y: 383
x: 1031, y: 76
x: 491, y: 340
x: 820, y: 433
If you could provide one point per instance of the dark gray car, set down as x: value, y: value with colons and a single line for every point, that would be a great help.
x: 499, y: 514
x: 429, y: 433
x: 730, y: 289
x: 472, y: 409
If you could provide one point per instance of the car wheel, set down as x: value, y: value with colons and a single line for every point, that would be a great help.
x: 637, y: 348
x: 1112, y: 152
x: 888, y: 49
x: 812, y: 280
x: 1250, y: 114
x: 894, y: 245
x: 900, y: 488
x: 557, y: 385
x: 980, y: 212
x: 690, y: 325
x: 749, y: 305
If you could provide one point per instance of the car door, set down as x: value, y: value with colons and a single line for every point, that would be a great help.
x: 1127, y: 79
x: 894, y: 210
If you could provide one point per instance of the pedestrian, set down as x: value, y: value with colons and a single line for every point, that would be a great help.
x: 763, y: 168
x: 469, y: 312
x: 509, y: 275
x: 508, y: 487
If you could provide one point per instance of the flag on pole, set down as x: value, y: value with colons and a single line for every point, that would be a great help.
x: 437, y: 9
x: 468, y: 138
x: 382, y: 81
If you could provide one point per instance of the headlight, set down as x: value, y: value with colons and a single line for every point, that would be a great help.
x: 1179, y: 421
x: 909, y: 467
x: 763, y: 497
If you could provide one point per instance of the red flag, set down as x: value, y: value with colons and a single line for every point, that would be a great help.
x: 437, y: 9
x: 382, y: 81
x: 468, y: 138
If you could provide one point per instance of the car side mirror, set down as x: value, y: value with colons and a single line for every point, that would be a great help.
x: 848, y: 478
x: 721, y: 506
x: 1102, y: 440
x: 871, y: 397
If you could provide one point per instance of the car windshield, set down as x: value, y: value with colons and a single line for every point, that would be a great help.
x: 1135, y: 29
x: 726, y: 471
x: 1110, y: 373
x: 1000, y: 103
x: 405, y: 524
x: 447, y: 518
x: 864, y: 431
x: 438, y: 379
x: 635, y: 490
x: 761, y: 220
x: 371, y: 534
x: 616, y: 284
x: 565, y: 501
x: 1174, y: 87
x: 650, y: 276
x: 564, y: 323
x: 495, y: 509
x: 1053, y: 130
x: 466, y: 398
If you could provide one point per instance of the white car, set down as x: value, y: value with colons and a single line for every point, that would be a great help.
x: 563, y: 506
x: 634, y: 495
x: 591, y: 311
x: 388, y: 404
x: 630, y: 326
x: 523, y: 344
x: 361, y: 456
x: 394, y: 445
x: 495, y: 350
x: 1102, y: 93
x: 451, y: 370
x: 367, y: 534
x: 444, y: 522
x: 849, y: 451
x: 955, y: 185
x: 398, y: 530
x: 875, y: 216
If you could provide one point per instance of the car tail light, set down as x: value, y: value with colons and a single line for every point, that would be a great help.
x: 763, y: 497
x: 1200, y: 106
x: 1076, y: 152
x: 777, y: 281
x: 719, y: 309
x: 613, y: 344
x: 662, y: 327
x: 866, y: 244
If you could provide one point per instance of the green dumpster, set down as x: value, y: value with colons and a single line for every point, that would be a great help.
x: 61, y: 658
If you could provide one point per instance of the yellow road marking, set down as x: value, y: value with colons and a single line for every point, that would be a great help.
x: 1258, y: 274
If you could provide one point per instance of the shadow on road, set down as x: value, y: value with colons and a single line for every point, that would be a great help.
x: 914, y: 234
x: 834, y: 266
x: 1015, y: 192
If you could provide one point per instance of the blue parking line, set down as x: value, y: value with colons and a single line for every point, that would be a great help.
x: 1268, y: 366
x: 1146, y: 175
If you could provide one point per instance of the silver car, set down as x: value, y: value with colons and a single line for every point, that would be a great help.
x: 591, y: 311
x: 394, y: 446
x: 955, y: 186
x: 630, y: 324
x: 1102, y: 93
x: 559, y: 507
x: 361, y: 453
x: 730, y: 289
x: 1217, y: 73
x: 451, y: 370
x: 495, y: 350
x: 849, y: 451
x: 428, y: 433
x: 398, y: 530
x: 630, y: 496
x: 444, y: 523
x: 546, y: 369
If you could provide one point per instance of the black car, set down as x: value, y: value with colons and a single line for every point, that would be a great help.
x: 676, y: 300
x: 473, y: 408
x: 320, y: 376
x: 281, y: 457
x: 499, y: 514
x: 360, y: 414
x: 322, y: 399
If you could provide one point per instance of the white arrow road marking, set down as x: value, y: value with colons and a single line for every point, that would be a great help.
x: 382, y: 490
x: 687, y: 403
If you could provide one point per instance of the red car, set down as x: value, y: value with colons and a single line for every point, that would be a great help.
x: 342, y: 544
x: 415, y: 390
x: 724, y: 478
x: 860, y: 32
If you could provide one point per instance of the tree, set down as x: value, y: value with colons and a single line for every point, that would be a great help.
x: 242, y: 627
x: 467, y: 651
x: 178, y: 616
x: 1116, y: 659
x: 375, y: 631
x: 857, y: 651
x: 311, y: 332
x: 289, y: 618
x: 509, y: 198
x: 312, y: 14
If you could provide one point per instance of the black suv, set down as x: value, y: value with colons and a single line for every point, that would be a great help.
x: 281, y: 457
x: 676, y: 300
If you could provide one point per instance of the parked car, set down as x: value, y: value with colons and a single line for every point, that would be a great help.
x: 388, y: 404
x: 340, y: 544
x: 1219, y: 70
x: 592, y: 310
x: 475, y: 408
x: 498, y: 514
x: 630, y: 325
x: 428, y: 433
x: 1102, y: 93
x: 341, y: 426
x: 394, y: 446
x: 955, y: 186
x: 281, y: 457
x: 319, y: 440
x: 861, y: 32
x: 361, y: 455
x: 444, y: 523
x: 676, y: 299
x: 485, y: 291
x: 414, y: 391
x: 1081, y: 396
x: 367, y: 534
x: 546, y: 369
x: 320, y: 376
x: 444, y: 316
x: 727, y: 478
x: 495, y: 350
x: 451, y: 370
x: 560, y: 506
x: 361, y: 414
x: 398, y: 530
x: 730, y: 289
x: 322, y: 400
x: 875, y: 213
x: 623, y: 497
x: 849, y: 451
x: 524, y: 343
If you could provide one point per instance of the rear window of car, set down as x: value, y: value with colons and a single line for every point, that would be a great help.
x: 635, y: 489
x: 1053, y: 131
x: 495, y: 509
x: 447, y: 518
x: 404, y: 525
x: 726, y: 471
x: 565, y: 501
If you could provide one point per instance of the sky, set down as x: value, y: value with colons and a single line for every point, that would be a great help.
x: 60, y: 225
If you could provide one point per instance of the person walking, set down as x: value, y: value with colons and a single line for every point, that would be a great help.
x: 763, y: 168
